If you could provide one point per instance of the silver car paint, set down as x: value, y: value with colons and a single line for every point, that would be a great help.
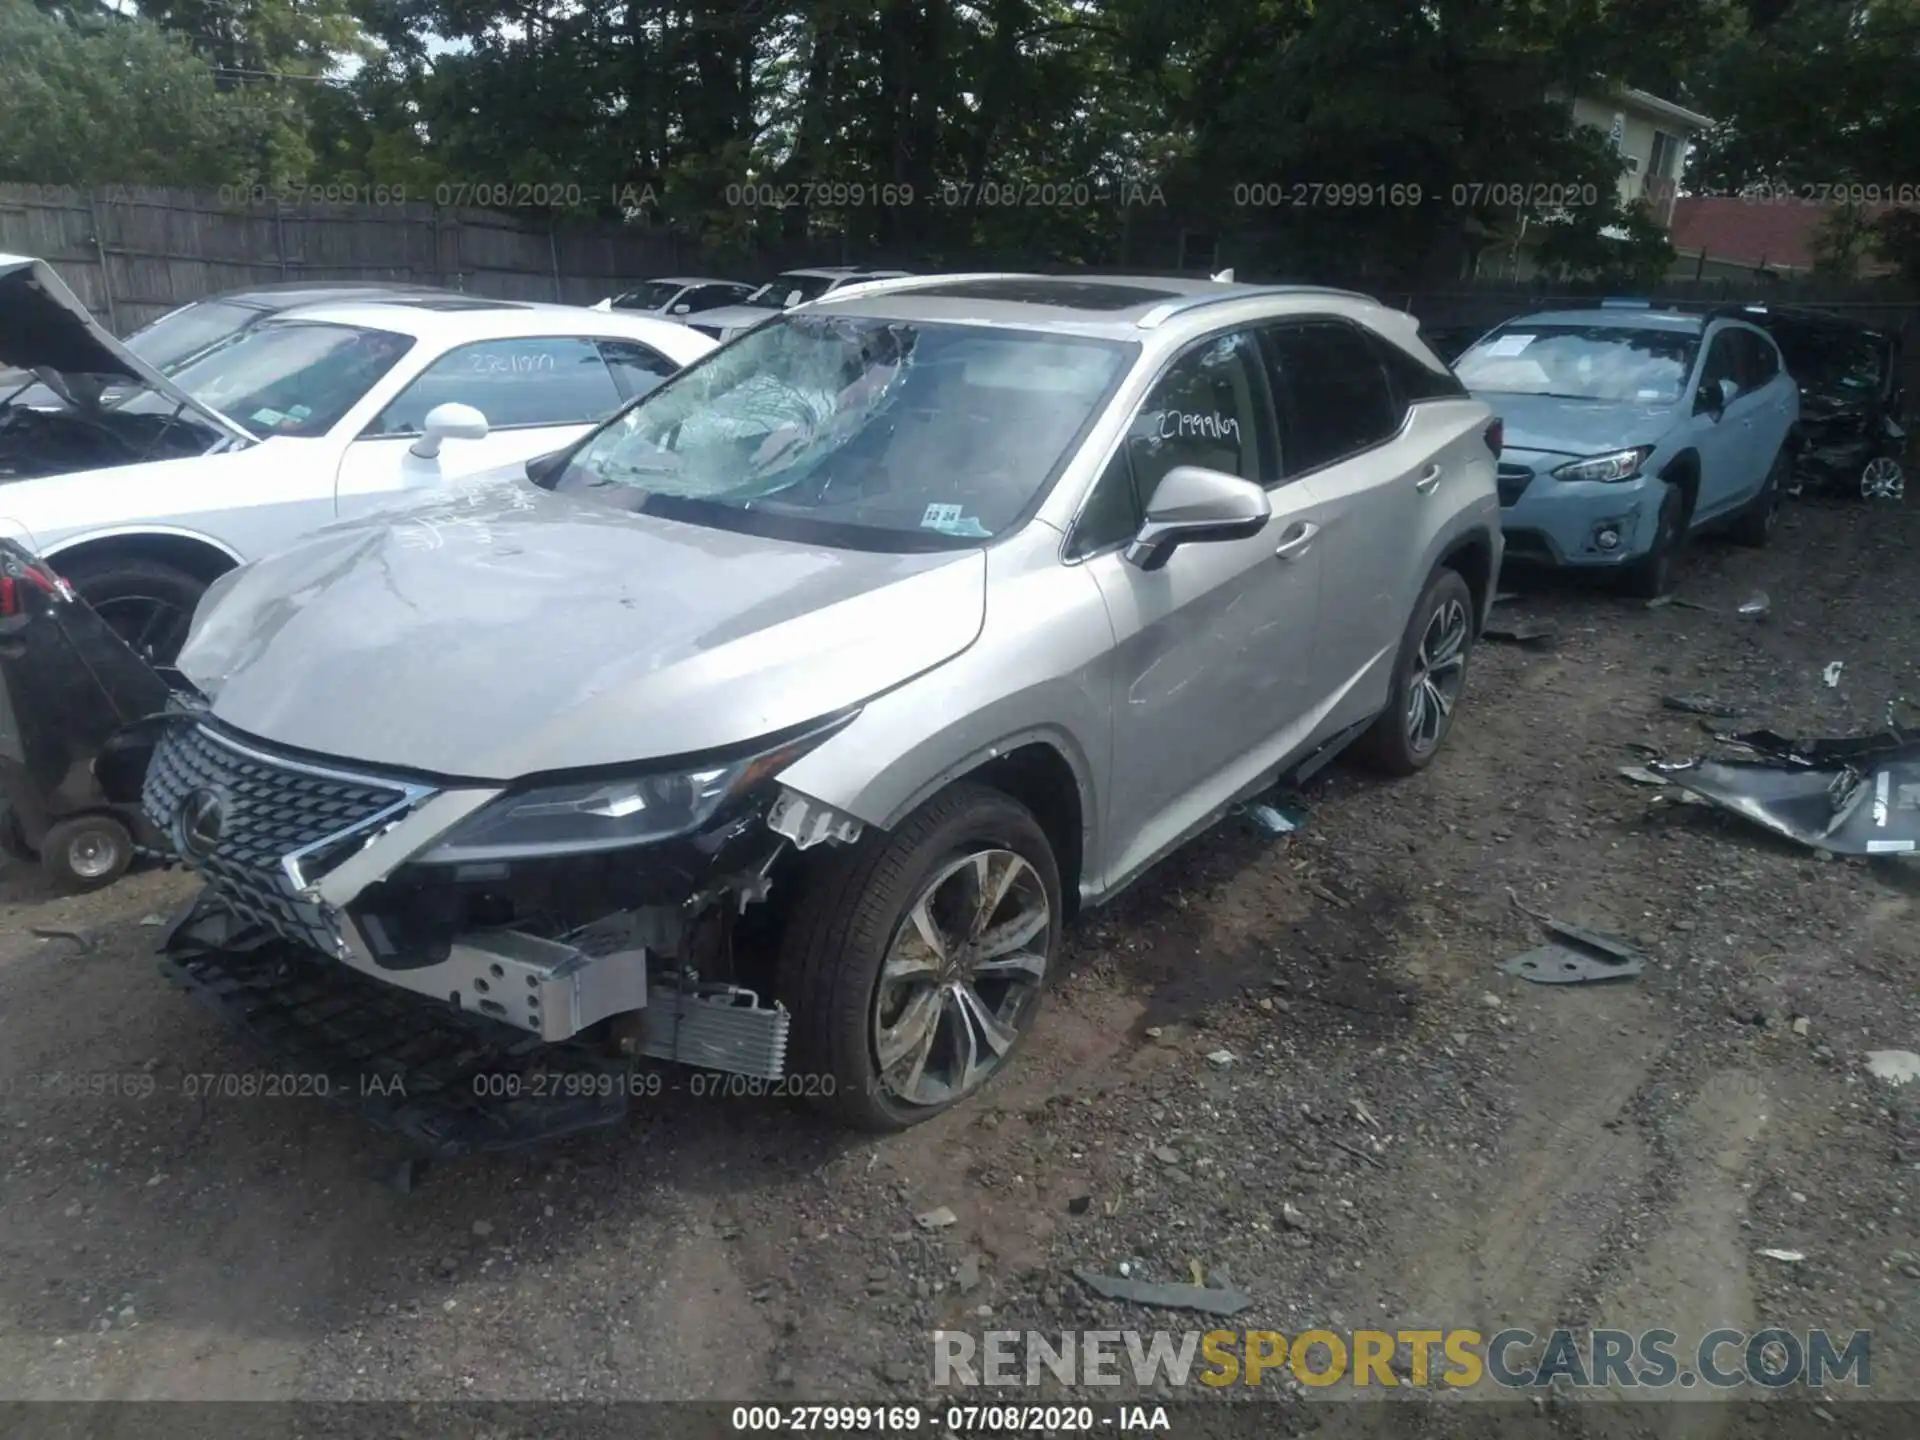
x: 503, y: 631
x: 1169, y: 694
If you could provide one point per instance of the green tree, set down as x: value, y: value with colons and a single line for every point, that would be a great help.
x: 116, y: 99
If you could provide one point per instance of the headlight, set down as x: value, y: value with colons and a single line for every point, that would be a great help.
x: 1620, y: 465
x: 593, y: 815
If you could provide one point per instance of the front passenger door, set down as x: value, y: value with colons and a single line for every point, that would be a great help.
x: 538, y: 394
x: 1210, y: 651
x: 1718, y: 442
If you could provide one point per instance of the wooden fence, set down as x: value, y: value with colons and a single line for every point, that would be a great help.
x: 133, y: 253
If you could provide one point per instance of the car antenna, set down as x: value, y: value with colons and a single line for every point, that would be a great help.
x: 1225, y: 277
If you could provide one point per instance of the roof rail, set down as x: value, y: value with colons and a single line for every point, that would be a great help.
x: 1162, y: 313
x: 895, y: 284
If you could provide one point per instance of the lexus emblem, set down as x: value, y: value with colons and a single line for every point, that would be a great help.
x: 203, y: 815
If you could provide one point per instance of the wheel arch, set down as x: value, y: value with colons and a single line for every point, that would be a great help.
x: 1044, y: 772
x: 1683, y: 473
x: 1471, y: 558
x: 201, y: 556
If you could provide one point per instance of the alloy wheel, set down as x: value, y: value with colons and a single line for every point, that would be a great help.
x: 153, y: 628
x: 1439, y: 673
x: 960, y: 979
x: 1883, y: 479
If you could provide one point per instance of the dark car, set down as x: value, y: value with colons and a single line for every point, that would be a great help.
x: 72, y: 695
x: 1852, y: 437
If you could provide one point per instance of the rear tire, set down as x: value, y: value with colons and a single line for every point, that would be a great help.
x: 147, y: 603
x: 1651, y: 576
x: 87, y: 852
x: 1429, y: 679
x: 855, y: 918
x: 1756, y: 524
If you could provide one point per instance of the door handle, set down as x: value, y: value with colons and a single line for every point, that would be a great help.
x: 1428, y: 481
x: 1297, y: 541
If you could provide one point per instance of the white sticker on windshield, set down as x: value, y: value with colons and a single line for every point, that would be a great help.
x: 938, y: 516
x: 267, y: 417
x: 1509, y: 345
x: 1649, y: 394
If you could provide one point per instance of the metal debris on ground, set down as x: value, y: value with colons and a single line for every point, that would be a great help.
x: 82, y: 938
x: 1220, y: 1059
x: 1855, y: 795
x: 938, y: 1219
x: 1640, y: 775
x: 1271, y: 818
x: 1832, y: 673
x: 1789, y: 1257
x: 1897, y: 1067
x: 1519, y: 632
x: 1575, y: 956
x: 1209, y: 1300
x: 1661, y: 602
x: 1699, y: 705
x: 1756, y: 607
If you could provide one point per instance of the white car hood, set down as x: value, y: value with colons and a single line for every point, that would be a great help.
x: 44, y: 327
x: 500, y: 631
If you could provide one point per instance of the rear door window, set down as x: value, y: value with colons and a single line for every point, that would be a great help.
x: 1337, y: 400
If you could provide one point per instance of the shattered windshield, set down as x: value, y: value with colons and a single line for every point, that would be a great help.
x: 1581, y: 362
x: 856, y: 431
x: 286, y: 378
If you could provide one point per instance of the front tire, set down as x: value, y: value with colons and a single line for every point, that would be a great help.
x: 147, y: 603
x: 914, y: 961
x: 1429, y: 677
x: 86, y: 852
x: 1756, y: 524
x: 1651, y: 576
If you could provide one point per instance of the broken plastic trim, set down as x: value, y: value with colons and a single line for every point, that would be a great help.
x: 1857, y: 795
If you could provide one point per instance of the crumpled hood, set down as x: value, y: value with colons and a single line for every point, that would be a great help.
x: 1577, y: 428
x: 43, y: 326
x: 498, y: 631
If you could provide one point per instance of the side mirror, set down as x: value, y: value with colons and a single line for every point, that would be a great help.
x: 1713, y: 399
x: 448, y: 422
x: 683, y: 309
x: 1193, y: 505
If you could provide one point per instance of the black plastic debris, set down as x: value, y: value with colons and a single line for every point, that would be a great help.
x: 1519, y: 632
x: 1852, y: 795
x: 1576, y: 956
x: 1699, y: 705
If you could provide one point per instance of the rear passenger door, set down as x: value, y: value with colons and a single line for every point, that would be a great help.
x: 1346, y: 407
x: 1776, y: 401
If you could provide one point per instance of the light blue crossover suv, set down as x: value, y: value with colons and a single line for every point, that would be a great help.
x: 1626, y: 429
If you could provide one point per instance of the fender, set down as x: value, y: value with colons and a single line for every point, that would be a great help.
x: 158, y: 532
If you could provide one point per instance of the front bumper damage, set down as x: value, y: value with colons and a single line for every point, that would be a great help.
x: 538, y: 983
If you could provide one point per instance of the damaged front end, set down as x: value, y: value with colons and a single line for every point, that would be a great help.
x: 564, y: 926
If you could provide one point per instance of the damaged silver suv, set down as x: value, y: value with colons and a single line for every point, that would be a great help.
x: 778, y: 726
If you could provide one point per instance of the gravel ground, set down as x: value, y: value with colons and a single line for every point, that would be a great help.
x: 1401, y: 1135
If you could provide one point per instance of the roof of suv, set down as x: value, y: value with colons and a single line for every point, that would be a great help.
x: 1118, y: 306
x: 1619, y: 317
x: 505, y: 319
